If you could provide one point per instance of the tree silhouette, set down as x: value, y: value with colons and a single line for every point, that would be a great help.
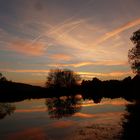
x: 60, y: 78
x: 134, y: 53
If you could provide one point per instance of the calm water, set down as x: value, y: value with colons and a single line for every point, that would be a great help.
x: 64, y: 118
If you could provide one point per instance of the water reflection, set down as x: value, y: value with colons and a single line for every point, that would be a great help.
x: 85, y: 119
x: 6, y: 109
x: 131, y: 121
x: 64, y: 106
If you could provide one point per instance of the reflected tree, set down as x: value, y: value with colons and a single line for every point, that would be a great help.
x: 6, y: 109
x: 64, y: 106
x: 131, y: 122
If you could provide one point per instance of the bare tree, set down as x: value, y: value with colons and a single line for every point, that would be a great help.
x: 134, y: 53
x: 62, y: 78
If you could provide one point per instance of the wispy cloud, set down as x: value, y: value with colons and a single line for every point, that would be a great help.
x: 87, y: 75
x: 89, y: 63
x: 111, y: 74
x: 24, y: 70
x: 115, y: 32
x: 61, y: 34
x: 27, y: 48
x: 61, y: 57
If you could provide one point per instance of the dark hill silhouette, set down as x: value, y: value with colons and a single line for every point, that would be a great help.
x: 13, y: 91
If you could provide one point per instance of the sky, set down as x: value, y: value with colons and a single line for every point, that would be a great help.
x: 90, y: 37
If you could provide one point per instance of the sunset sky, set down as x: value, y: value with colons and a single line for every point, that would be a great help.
x: 91, y: 37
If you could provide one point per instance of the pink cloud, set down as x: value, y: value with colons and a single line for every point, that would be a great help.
x: 27, y: 47
x: 24, y: 70
x: 61, y: 57
x: 111, y: 74
x: 88, y: 63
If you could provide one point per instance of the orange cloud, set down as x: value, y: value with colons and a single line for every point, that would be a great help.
x: 118, y: 30
x: 85, y: 74
x: 60, y: 33
x: 81, y: 64
x: 61, y: 57
x: 27, y: 48
x: 111, y: 74
x: 24, y: 70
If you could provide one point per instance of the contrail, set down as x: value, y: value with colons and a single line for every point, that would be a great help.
x: 117, y: 31
x: 59, y: 26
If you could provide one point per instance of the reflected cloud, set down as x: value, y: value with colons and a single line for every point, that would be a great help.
x: 98, y: 132
x: 116, y: 102
x: 64, y: 124
x: 84, y: 115
x: 98, y: 116
x: 35, y: 133
x: 105, y: 101
x: 31, y: 110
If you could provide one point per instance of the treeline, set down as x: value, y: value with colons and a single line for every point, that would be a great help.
x: 95, y: 89
x: 127, y: 88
